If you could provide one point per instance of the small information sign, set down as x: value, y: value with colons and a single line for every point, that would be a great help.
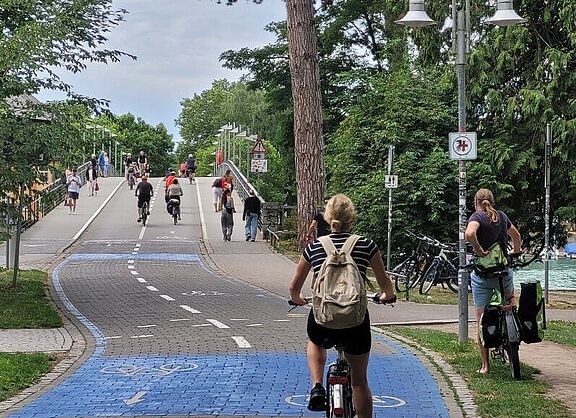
x: 259, y: 166
x: 462, y: 145
x: 391, y: 182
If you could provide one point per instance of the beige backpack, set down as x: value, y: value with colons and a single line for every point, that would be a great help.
x: 338, y: 291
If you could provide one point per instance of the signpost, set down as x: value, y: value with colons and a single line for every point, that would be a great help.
x: 259, y: 163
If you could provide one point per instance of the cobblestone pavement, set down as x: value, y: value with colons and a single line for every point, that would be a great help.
x: 172, y: 331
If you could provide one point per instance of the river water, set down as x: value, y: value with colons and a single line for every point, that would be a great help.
x: 561, y: 275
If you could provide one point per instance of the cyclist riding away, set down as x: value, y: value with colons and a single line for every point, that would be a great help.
x: 174, y: 192
x: 144, y: 191
x: 191, y: 167
x: 356, y: 341
x: 488, y: 230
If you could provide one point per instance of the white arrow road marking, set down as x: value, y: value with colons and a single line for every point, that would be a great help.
x: 217, y: 323
x: 189, y: 309
x: 152, y: 288
x: 135, y: 399
x: 168, y: 298
x: 242, y: 342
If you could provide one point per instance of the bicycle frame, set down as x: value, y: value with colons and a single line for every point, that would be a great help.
x: 339, y: 401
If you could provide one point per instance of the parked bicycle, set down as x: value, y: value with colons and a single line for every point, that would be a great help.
x: 442, y: 270
x: 409, y: 272
x: 339, y: 395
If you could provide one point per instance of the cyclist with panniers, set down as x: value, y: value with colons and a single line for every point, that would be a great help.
x: 488, y: 231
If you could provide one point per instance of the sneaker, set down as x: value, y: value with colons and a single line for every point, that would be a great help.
x: 317, y: 400
x: 139, y: 220
x: 252, y: 240
x: 247, y: 238
x: 69, y: 212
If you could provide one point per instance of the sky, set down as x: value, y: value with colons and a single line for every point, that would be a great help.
x: 177, y: 44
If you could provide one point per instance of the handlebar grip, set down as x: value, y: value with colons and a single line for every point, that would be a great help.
x: 376, y: 299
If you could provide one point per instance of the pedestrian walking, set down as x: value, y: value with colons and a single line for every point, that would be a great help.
x: 106, y: 165
x: 101, y: 162
x: 227, y: 217
x: 251, y: 214
x: 217, y: 187
x: 92, y: 177
x: 73, y: 183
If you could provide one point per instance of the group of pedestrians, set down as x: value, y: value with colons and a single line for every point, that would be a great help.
x: 223, y: 201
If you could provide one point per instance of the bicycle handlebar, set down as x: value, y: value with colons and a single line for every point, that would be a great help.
x: 375, y: 298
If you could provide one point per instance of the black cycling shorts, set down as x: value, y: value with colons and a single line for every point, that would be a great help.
x: 356, y: 340
x: 142, y: 199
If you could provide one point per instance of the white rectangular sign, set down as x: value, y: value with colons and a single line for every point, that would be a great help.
x: 259, y: 166
x: 391, y: 182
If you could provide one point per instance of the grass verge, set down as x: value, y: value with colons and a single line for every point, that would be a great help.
x: 26, y: 305
x: 496, y: 394
x: 19, y: 371
x: 561, y: 332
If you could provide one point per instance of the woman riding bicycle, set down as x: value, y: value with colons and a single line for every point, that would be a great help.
x: 173, y: 194
x: 486, y: 228
x: 340, y: 215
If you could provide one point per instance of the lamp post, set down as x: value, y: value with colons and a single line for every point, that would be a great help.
x: 417, y: 17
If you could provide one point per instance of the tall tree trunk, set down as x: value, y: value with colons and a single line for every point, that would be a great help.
x: 307, y: 98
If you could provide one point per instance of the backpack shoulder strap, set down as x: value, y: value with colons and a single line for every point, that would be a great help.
x: 350, y: 243
x: 327, y: 244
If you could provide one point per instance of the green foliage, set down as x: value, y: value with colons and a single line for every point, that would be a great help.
x: 135, y: 135
x: 411, y: 112
x: 38, y: 36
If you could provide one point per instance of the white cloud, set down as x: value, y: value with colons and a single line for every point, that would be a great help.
x: 177, y: 43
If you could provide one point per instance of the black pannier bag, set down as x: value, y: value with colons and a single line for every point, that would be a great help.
x: 531, y: 312
x: 490, y: 332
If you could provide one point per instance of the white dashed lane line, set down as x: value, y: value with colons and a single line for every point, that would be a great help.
x: 254, y: 325
x: 189, y: 309
x: 217, y: 323
x: 146, y: 326
x: 130, y: 261
x: 179, y: 319
x: 137, y: 245
x: 141, y: 280
x: 168, y: 298
x: 241, y: 342
x: 135, y: 273
x: 202, y: 325
x: 115, y: 337
x: 130, y: 267
x: 281, y: 320
x: 142, y: 336
x: 151, y: 288
x: 238, y: 319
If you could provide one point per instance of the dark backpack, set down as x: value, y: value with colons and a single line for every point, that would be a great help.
x: 531, y: 312
x: 217, y: 182
x: 490, y: 326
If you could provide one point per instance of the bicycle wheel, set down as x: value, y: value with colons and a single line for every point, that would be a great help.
x: 430, y: 277
x: 402, y: 272
x: 175, y: 215
x: 144, y: 214
x: 511, y: 350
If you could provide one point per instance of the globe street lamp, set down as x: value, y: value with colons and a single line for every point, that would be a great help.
x: 416, y: 18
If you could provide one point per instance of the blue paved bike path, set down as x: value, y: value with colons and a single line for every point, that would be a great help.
x: 255, y: 384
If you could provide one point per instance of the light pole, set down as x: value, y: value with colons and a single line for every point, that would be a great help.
x: 417, y: 17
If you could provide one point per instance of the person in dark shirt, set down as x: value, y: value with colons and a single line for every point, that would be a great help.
x: 252, y: 211
x: 318, y: 227
x: 486, y: 227
x: 144, y: 191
